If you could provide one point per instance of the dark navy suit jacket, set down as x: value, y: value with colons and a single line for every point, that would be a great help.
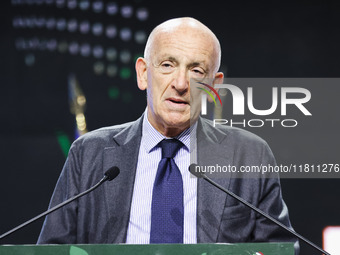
x: 103, y: 215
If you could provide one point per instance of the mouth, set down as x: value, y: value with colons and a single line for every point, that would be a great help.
x: 177, y: 102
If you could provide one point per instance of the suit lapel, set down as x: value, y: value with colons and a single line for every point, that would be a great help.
x: 118, y: 193
x: 124, y: 154
x: 210, y: 200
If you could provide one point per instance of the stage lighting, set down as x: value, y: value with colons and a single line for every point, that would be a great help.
x: 84, y: 27
x: 113, y: 92
x: 33, y: 43
x: 60, y: 3
x: 61, y: 24
x: 142, y: 14
x: 98, y: 68
x: 62, y: 46
x: 140, y: 37
x: 73, y: 48
x: 111, y: 54
x: 72, y: 25
x: 85, y: 50
x: 111, y: 31
x: 97, y: 29
x: 29, y: 22
x: 125, y: 56
x: 50, y: 23
x: 112, y: 70
x: 30, y: 59
x: 84, y: 4
x: 71, y: 4
x: 39, y: 22
x: 125, y: 73
x: 112, y: 8
x: 126, y: 11
x: 97, y: 6
x: 98, y: 51
x: 51, y: 44
x: 97, y: 33
x: 125, y: 34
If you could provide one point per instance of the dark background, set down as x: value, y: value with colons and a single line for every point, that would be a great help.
x: 258, y: 39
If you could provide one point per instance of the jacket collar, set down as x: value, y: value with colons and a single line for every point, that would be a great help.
x: 118, y: 194
x: 212, y: 150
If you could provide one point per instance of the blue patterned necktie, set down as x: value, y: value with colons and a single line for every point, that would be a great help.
x: 167, y: 210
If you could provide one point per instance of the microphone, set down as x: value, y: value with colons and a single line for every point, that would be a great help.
x: 192, y: 170
x: 108, y: 176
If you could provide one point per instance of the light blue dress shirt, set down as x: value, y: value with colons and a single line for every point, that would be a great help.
x: 148, y: 160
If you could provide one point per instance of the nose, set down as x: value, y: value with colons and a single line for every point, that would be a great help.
x: 181, y: 83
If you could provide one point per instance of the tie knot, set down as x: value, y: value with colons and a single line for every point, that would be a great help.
x: 170, y: 147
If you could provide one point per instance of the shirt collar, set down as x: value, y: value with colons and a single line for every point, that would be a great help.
x: 152, y: 137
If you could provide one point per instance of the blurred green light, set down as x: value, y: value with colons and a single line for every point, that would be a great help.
x: 29, y: 59
x: 64, y: 142
x: 114, y: 92
x: 125, y: 73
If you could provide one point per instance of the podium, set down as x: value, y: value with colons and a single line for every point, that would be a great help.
x: 151, y: 249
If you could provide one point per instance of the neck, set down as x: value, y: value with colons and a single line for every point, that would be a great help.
x: 166, y: 130
x: 171, y: 132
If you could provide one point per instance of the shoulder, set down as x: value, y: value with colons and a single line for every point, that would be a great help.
x: 105, y: 136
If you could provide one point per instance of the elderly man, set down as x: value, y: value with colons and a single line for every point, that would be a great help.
x: 155, y: 199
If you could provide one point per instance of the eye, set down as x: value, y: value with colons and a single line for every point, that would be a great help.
x: 198, y: 72
x: 167, y: 66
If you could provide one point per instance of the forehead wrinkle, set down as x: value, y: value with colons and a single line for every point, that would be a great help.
x: 171, y: 49
x: 189, y: 25
x: 198, y: 51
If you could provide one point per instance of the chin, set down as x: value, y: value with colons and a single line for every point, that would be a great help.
x: 177, y: 118
x: 178, y: 123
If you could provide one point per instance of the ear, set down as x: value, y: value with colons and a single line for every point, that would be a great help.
x: 217, y: 80
x: 141, y: 71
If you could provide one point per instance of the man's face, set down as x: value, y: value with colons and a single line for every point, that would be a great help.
x: 176, y: 57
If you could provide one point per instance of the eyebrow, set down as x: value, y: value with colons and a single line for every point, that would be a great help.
x: 193, y: 64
